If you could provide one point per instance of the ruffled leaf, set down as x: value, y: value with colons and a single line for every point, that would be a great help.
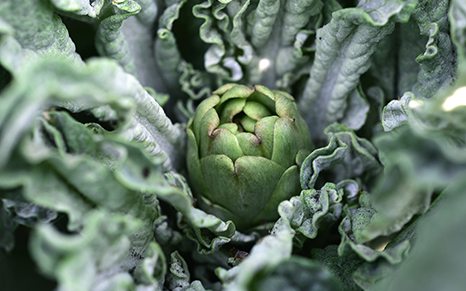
x: 267, y: 254
x: 346, y: 155
x: 409, y: 181
x: 101, y: 249
x: 344, y: 47
x: 434, y: 261
x: 312, y: 209
x: 396, y: 113
x: 438, y: 62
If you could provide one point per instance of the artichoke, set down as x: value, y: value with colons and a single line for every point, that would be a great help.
x: 244, y: 151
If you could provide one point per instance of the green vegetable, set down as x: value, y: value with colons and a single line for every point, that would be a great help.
x: 244, y: 152
x: 95, y: 102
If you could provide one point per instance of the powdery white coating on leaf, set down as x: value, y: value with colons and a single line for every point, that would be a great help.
x: 270, y: 251
x: 343, y: 51
x: 313, y: 208
x: 264, y: 17
x: 396, y: 112
x: 439, y: 61
x: 79, y: 7
x: 346, y: 156
x: 457, y: 15
x: 48, y: 157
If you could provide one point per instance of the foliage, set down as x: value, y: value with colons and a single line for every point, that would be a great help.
x: 95, y: 102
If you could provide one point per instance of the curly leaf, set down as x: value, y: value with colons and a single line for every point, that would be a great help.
x: 105, y: 83
x: 258, y: 41
x: 166, y: 53
x: 313, y: 209
x: 438, y: 62
x: 27, y: 213
x: 219, y: 232
x: 79, y: 7
x: 137, y: 43
x: 346, y: 156
x: 178, y: 278
x: 443, y: 266
x: 151, y: 271
x: 393, y: 65
x: 396, y: 112
x: 31, y: 29
x: 344, y: 47
x: 109, y: 39
x: 352, y: 227
x: 91, y: 260
x: 266, y: 254
x: 38, y: 28
x: 409, y: 181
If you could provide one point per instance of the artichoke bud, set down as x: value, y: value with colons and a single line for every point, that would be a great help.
x: 244, y: 151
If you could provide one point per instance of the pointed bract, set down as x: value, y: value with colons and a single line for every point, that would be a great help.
x: 244, y: 149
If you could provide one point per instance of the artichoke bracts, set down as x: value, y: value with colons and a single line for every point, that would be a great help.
x: 244, y: 151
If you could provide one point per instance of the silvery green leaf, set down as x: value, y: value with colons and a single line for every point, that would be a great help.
x: 78, y: 194
x: 33, y: 30
x: 105, y: 81
x: 135, y: 170
x: 352, y: 229
x: 346, y: 156
x: 370, y: 273
x: 75, y: 171
x: 27, y: 213
x: 422, y: 53
x: 457, y: 13
x: 412, y: 44
x: 206, y: 230
x: 259, y: 41
x: 434, y: 262
x: 23, y: 97
x: 269, y: 252
x: 342, y: 267
x: 264, y: 17
x: 210, y: 34
x: 297, y: 273
x: 438, y: 62
x: 441, y: 118
x: 95, y: 258
x: 137, y: 32
x: 356, y: 110
x: 89, y: 141
x: 295, y: 60
x: 394, y: 66
x: 409, y: 181
x: 178, y: 278
x: 38, y: 28
x: 151, y: 272
x: 109, y: 38
x: 7, y: 228
x: 337, y: 67
x: 166, y: 52
x: 313, y: 210
x: 164, y: 234
x: 396, y: 112
x: 296, y: 16
x: 377, y: 100
x: 79, y: 7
